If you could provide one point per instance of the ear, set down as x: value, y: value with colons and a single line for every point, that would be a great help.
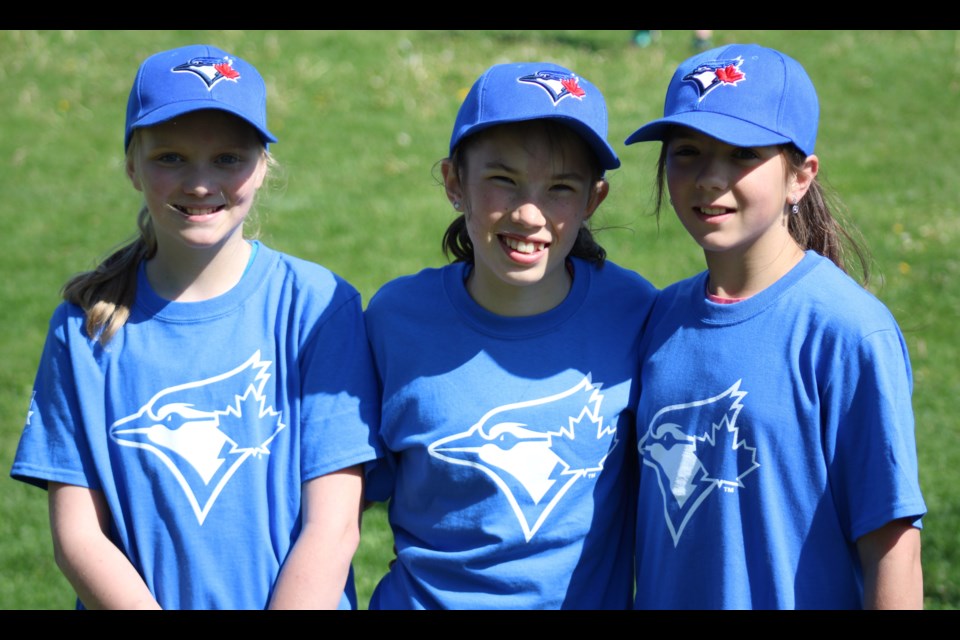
x: 802, y: 179
x: 451, y: 182
x: 132, y: 172
x: 597, y: 195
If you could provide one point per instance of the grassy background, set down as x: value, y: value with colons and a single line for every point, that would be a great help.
x: 364, y: 116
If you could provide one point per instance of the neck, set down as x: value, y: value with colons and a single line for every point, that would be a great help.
x: 741, y: 275
x: 193, y: 276
x: 512, y: 300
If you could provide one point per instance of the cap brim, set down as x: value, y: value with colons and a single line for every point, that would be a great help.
x: 725, y: 128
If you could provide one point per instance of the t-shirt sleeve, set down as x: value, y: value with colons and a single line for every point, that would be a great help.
x: 52, y: 445
x: 874, y: 472
x: 341, y: 402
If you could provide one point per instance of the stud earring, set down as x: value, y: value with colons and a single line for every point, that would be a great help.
x: 456, y: 205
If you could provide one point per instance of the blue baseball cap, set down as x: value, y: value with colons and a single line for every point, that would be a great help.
x: 744, y: 95
x: 171, y: 83
x: 517, y: 92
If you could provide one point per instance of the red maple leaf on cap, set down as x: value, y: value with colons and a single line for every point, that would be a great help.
x: 227, y: 71
x: 573, y: 86
x: 729, y: 74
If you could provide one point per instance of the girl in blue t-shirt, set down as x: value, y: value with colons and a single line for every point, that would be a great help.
x: 203, y: 404
x: 775, y: 426
x: 508, y: 376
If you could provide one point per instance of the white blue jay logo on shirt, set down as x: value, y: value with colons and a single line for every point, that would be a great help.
x: 32, y: 410
x: 696, y: 448
x: 536, y: 450
x: 203, y: 446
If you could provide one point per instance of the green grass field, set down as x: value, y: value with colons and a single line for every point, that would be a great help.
x: 364, y: 116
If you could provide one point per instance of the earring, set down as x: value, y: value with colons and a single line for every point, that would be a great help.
x: 794, y: 207
x: 456, y: 205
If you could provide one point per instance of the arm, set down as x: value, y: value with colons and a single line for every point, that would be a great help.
x: 892, y: 575
x: 99, y: 572
x: 315, y: 572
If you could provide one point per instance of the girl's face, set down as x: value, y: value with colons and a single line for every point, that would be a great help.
x: 731, y: 199
x: 198, y: 174
x: 525, y: 190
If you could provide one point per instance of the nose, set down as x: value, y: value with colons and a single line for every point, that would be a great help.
x: 199, y: 183
x: 711, y: 174
x: 528, y: 214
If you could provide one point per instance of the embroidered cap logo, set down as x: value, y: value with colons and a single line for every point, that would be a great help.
x: 557, y: 85
x: 710, y: 75
x: 210, y: 70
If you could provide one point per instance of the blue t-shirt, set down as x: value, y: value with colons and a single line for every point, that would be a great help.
x: 773, y: 433
x: 200, y: 421
x: 510, y: 463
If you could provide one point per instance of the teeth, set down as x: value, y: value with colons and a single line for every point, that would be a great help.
x: 712, y: 211
x: 198, y: 211
x: 524, y: 247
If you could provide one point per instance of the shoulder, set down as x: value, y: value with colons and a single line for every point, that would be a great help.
x: 612, y: 278
x: 413, y: 304
x: 613, y: 272
x: 685, y: 285
x: 410, y: 290
x: 306, y: 272
x: 302, y: 278
x: 66, y: 312
x: 67, y: 321
x: 684, y: 293
x: 838, y: 300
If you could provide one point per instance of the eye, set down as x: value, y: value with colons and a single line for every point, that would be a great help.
x: 683, y: 150
x: 228, y: 158
x: 563, y: 188
x: 501, y: 179
x: 169, y: 157
x: 745, y: 153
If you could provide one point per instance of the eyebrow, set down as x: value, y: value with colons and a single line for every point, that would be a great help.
x: 500, y: 166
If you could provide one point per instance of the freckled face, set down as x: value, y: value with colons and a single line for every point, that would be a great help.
x: 526, y: 190
x: 729, y: 198
x: 199, y: 174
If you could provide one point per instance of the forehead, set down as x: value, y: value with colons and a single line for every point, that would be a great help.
x: 538, y: 140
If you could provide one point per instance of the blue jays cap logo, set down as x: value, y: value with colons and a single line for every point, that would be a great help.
x: 210, y: 70
x: 558, y: 85
x: 710, y: 75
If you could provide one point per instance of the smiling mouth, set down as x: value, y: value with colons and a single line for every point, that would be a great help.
x: 713, y: 211
x: 197, y: 211
x: 522, y: 246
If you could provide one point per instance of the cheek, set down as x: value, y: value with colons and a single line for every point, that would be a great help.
x: 676, y: 180
x: 477, y: 225
x: 247, y: 189
x: 242, y: 188
x: 482, y: 208
x: 574, y: 216
x: 480, y: 199
x: 151, y: 184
